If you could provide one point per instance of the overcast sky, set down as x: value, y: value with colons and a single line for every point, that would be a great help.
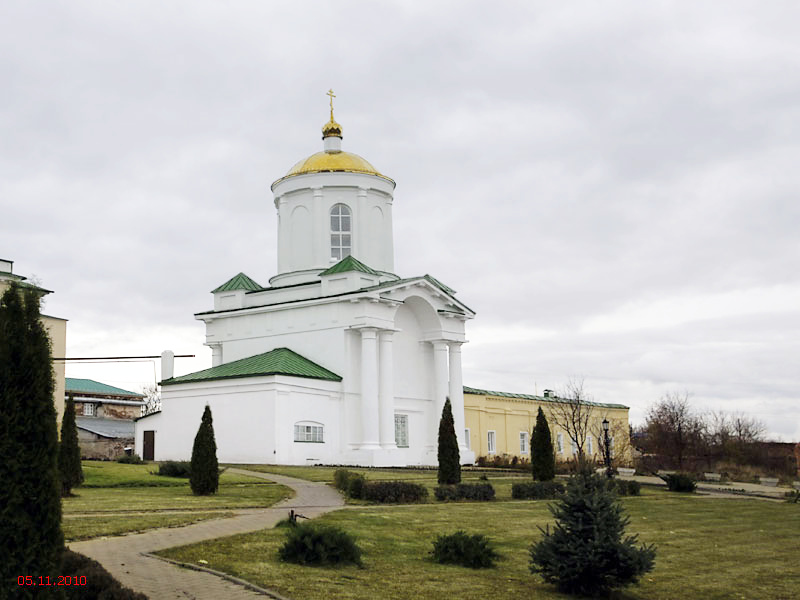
x: 611, y: 186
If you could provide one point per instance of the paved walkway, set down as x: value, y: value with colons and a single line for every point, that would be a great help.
x: 731, y: 489
x: 123, y: 556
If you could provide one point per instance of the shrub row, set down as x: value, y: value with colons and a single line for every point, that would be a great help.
x: 625, y: 487
x: 680, y: 482
x: 464, y: 491
x: 459, y: 548
x: 503, y: 462
x: 99, y: 582
x: 349, y: 483
x: 537, y: 490
x: 132, y: 459
x: 175, y: 468
x: 356, y: 486
x: 394, y: 491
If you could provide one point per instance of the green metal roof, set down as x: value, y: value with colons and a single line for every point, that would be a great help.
x: 478, y: 392
x: 90, y: 386
x: 349, y: 263
x: 238, y: 282
x: 280, y: 361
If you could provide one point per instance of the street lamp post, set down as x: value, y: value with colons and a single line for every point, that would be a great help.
x: 609, y: 472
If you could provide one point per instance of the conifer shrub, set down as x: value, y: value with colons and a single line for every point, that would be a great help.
x: 460, y: 548
x: 586, y: 553
x: 314, y: 544
x: 31, y: 541
x: 99, y: 583
x: 680, y: 482
x: 401, y: 492
x: 175, y: 468
x: 204, y: 476
x: 465, y: 491
x: 543, y: 459
x: 537, y: 490
x: 69, y: 452
x: 447, y: 453
x: 130, y: 459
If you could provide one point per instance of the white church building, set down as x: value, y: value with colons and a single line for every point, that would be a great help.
x: 339, y: 360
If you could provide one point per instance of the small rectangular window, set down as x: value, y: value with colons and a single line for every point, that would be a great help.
x: 591, y: 448
x: 560, y: 443
x: 523, y: 442
x: 88, y: 409
x: 467, y: 441
x: 308, y: 433
x: 490, y: 441
x: 401, y: 431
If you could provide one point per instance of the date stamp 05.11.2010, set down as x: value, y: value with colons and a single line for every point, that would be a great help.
x: 44, y: 581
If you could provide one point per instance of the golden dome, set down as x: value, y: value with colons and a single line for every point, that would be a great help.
x: 332, y: 159
x: 331, y: 129
x: 322, y: 162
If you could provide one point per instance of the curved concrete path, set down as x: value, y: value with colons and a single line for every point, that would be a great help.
x: 124, y: 556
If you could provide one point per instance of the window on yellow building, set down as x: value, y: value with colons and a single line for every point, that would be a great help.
x: 490, y: 440
x: 523, y: 442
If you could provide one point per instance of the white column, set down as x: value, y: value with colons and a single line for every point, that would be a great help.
x: 440, y: 385
x: 457, y: 393
x: 386, y: 391
x: 369, y: 391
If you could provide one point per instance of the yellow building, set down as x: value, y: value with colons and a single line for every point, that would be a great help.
x: 501, y: 423
x: 56, y: 328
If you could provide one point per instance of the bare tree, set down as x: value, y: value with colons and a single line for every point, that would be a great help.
x: 152, y: 400
x: 573, y: 413
x: 673, y: 429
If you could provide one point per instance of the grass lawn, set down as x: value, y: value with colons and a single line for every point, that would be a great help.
x: 710, y: 548
x: 501, y: 479
x: 118, y: 498
x: 79, y: 527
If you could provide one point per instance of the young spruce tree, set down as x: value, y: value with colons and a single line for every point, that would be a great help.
x: 543, y: 460
x: 586, y: 553
x: 204, y: 479
x: 69, y: 452
x: 31, y: 541
x: 449, y: 458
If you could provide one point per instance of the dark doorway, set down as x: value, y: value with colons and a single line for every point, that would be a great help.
x: 148, y: 452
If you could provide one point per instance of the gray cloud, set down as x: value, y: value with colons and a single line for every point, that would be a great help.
x: 612, y: 187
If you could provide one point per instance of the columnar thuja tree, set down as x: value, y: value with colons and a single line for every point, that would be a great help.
x: 204, y: 479
x: 31, y: 541
x: 449, y: 458
x: 543, y: 460
x: 69, y: 452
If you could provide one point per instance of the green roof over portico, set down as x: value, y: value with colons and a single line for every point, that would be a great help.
x: 280, y: 361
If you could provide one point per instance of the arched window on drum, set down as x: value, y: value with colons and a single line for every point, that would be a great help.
x: 341, y: 232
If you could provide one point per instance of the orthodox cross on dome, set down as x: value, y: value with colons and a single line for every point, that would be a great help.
x: 331, y: 128
x: 332, y: 95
